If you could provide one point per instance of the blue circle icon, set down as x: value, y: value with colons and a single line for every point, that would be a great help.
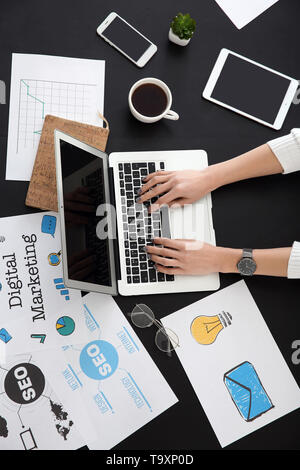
x: 54, y: 259
x: 99, y: 360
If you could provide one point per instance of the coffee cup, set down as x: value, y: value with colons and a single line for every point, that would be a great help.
x: 150, y: 100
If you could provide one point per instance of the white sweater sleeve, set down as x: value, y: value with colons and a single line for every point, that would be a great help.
x: 287, y: 150
x: 294, y: 262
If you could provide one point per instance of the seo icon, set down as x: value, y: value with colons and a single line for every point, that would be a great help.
x: 24, y: 383
x: 99, y: 360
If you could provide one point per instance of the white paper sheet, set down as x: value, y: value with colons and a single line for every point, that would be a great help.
x: 40, y: 85
x: 245, y: 338
x: 111, y: 381
x: 242, y: 12
x: 36, y: 310
x: 31, y: 415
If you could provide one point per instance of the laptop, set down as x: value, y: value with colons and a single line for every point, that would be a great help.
x: 103, y: 228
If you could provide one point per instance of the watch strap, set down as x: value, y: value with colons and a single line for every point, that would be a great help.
x: 247, y: 253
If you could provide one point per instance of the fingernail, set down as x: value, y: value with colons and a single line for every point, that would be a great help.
x: 138, y: 199
x: 145, y: 248
x: 144, y: 179
x: 139, y: 191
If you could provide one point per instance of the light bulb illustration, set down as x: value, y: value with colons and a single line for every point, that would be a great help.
x: 205, y: 329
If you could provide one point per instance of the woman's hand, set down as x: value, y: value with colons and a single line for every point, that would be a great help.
x: 195, y: 257
x: 187, y: 186
x: 192, y: 257
x: 176, y: 187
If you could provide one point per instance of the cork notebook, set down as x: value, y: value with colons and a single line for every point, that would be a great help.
x: 42, y: 187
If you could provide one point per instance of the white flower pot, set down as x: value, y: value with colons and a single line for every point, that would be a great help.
x: 174, y: 38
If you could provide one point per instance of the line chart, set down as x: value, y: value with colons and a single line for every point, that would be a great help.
x: 37, y: 98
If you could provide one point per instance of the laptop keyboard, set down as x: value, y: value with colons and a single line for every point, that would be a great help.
x: 139, y: 227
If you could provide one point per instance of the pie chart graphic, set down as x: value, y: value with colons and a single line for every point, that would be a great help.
x: 65, y: 326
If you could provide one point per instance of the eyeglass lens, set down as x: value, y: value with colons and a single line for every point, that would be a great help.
x: 142, y: 316
x: 166, y: 340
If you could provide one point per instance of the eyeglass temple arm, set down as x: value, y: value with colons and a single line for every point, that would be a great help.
x: 159, y: 325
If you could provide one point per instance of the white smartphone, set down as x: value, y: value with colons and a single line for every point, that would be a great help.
x: 250, y: 89
x: 126, y: 39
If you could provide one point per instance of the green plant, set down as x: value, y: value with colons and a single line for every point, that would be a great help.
x: 183, y: 26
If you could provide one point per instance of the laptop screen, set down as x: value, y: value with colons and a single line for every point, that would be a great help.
x: 87, y: 245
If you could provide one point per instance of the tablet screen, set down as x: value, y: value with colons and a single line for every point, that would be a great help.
x: 250, y: 89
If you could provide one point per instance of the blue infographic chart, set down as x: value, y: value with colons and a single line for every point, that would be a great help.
x: 111, y: 377
x: 99, y: 360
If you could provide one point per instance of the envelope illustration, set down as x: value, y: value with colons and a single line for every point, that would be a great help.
x: 4, y: 335
x: 247, y: 391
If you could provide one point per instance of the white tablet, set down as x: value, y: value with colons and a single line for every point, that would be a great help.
x: 250, y: 89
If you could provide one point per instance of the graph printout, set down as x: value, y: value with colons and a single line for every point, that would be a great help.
x: 40, y: 85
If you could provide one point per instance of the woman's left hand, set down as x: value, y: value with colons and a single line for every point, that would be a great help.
x: 191, y: 257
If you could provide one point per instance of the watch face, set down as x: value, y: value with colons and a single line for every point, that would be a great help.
x: 246, y: 266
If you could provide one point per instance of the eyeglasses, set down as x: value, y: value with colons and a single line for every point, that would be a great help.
x: 143, y: 317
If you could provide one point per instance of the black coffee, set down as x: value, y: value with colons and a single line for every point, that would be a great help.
x: 149, y: 100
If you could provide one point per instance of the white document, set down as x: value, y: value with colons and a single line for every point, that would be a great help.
x: 233, y: 363
x: 40, y: 85
x: 31, y: 415
x: 36, y: 310
x: 242, y: 12
x: 111, y: 380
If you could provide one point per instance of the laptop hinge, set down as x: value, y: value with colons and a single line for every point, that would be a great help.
x: 115, y: 241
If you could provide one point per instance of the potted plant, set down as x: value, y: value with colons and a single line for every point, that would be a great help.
x: 182, y: 29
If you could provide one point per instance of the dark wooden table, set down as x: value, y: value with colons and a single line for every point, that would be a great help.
x: 262, y: 213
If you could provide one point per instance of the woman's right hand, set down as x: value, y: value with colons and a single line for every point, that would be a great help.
x: 175, y: 187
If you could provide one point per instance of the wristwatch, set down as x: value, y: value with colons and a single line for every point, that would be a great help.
x: 247, y: 265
